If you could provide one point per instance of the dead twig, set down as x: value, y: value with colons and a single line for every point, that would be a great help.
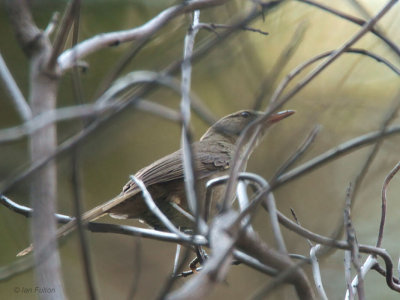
x: 388, y: 178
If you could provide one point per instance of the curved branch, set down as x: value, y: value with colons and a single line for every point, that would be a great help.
x: 383, y: 212
x: 278, y: 92
x: 355, y: 20
x: 67, y: 59
x: 336, y: 152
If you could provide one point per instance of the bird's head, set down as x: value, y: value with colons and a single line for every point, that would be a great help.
x: 231, y: 126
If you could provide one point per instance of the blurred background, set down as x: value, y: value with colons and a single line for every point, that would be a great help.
x: 348, y: 99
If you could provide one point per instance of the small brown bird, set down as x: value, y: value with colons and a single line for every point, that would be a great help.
x: 164, y: 178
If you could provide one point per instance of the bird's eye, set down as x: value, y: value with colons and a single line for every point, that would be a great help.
x: 245, y: 114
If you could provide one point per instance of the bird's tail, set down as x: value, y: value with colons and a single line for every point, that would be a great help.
x: 87, y: 217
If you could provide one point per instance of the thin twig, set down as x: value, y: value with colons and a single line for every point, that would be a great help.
x: 62, y: 34
x: 269, y: 202
x: 12, y: 88
x: 27, y: 212
x: 186, y: 137
x: 137, y: 269
x: 176, y: 260
x: 296, y: 71
x: 284, y: 58
x: 52, y: 24
x: 254, y: 263
x: 316, y: 272
x: 101, y: 227
x: 243, y: 201
x: 119, y: 66
x: 197, y: 240
x: 347, y: 276
x: 136, y: 77
x: 271, y: 205
x: 369, y: 264
x: 354, y: 20
x: 155, y: 210
x: 213, y: 26
x: 298, y: 223
x: 353, y: 243
x: 179, y: 271
x: 11, y: 134
x: 383, y: 209
x: 299, y: 151
x: 83, y: 242
x: 335, y: 153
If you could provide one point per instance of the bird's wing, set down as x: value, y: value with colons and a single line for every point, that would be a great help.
x: 210, y: 159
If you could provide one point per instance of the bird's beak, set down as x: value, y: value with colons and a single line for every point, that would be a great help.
x: 280, y: 116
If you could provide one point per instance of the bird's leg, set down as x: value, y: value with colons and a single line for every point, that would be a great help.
x: 200, y: 258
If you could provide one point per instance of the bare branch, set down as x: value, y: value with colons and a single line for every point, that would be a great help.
x: 155, y: 210
x: 213, y: 26
x: 284, y: 58
x: 336, y: 152
x: 79, y: 111
x: 12, y: 88
x: 355, y: 20
x: 271, y: 205
x: 137, y: 269
x: 368, y: 265
x: 66, y: 59
x: 83, y: 242
x: 383, y: 211
x: 176, y: 260
x: 254, y: 263
x: 43, y: 187
x: 278, y: 92
x: 112, y: 228
x: 263, y: 185
x: 254, y: 246
x: 353, y: 243
x: 317, y: 273
x: 186, y: 136
x: 300, y: 151
x: 243, y: 201
x: 144, y: 76
x: 28, y: 35
x: 197, y: 240
x: 298, y: 223
x: 347, y: 276
x: 52, y: 24
x: 337, y: 53
x: 26, y: 211
x: 65, y: 27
